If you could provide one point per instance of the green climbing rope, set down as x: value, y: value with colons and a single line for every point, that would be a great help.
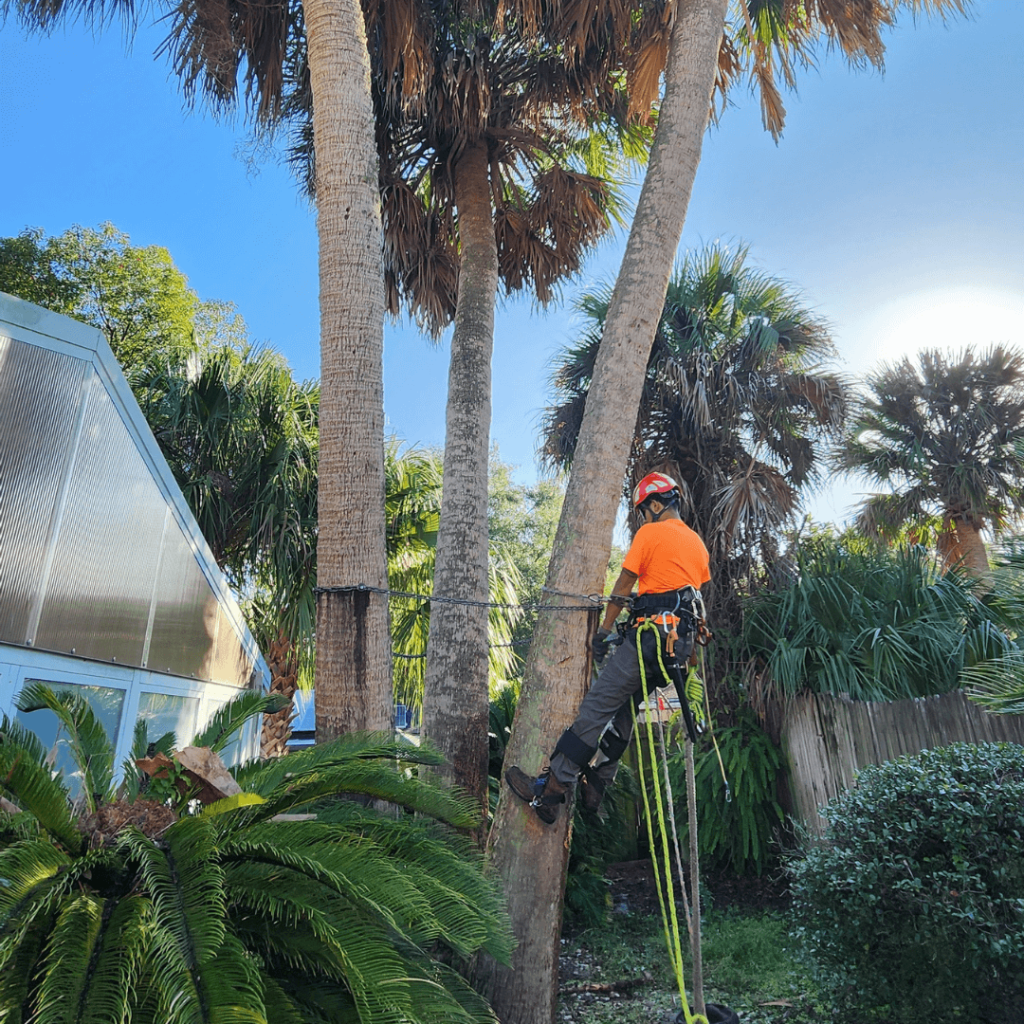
x: 663, y: 872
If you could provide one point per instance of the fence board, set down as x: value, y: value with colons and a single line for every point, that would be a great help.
x: 828, y: 739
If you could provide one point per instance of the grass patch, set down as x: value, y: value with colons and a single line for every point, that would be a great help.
x: 750, y: 964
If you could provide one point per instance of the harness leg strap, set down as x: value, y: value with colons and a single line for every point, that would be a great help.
x: 613, y: 746
x: 572, y: 747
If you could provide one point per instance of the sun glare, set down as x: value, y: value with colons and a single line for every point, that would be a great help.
x: 948, y: 319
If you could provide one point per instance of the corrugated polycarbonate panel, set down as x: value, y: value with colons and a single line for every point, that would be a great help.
x: 191, y: 635
x: 101, y: 580
x: 40, y: 393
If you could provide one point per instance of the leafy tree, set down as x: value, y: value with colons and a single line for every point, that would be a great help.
x: 130, y: 911
x: 27, y: 270
x: 942, y: 437
x: 736, y: 406
x: 135, y: 295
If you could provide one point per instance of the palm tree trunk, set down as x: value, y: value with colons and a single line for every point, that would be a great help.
x: 960, y: 544
x: 455, y: 700
x: 283, y: 679
x: 529, y: 859
x: 353, y: 664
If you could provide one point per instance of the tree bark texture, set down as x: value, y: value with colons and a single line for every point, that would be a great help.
x: 284, y: 680
x: 961, y: 544
x: 353, y: 664
x: 529, y: 858
x: 455, y: 697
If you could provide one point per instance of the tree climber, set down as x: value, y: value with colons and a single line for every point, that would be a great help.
x: 671, y: 564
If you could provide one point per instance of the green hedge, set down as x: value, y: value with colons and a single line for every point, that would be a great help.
x: 913, y: 904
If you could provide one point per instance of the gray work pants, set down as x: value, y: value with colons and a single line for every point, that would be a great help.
x: 609, y: 703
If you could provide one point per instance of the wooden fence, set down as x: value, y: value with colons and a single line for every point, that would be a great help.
x: 827, y: 739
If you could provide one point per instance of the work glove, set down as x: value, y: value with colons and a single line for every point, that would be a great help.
x: 599, y: 644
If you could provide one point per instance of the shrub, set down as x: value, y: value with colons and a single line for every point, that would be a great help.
x: 914, y: 901
x: 736, y: 831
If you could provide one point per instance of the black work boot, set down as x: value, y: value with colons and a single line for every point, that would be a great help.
x: 543, y: 793
x: 592, y: 788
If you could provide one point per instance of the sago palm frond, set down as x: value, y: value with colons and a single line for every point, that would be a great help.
x: 26, y: 777
x: 230, y: 717
x: 88, y: 741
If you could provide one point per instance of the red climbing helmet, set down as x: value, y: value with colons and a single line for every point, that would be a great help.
x: 653, y: 483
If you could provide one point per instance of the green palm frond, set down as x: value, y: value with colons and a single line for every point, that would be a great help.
x: 69, y: 960
x: 185, y: 883
x: 998, y: 684
x: 26, y: 777
x: 367, y: 774
x: 90, y: 746
x: 229, y: 718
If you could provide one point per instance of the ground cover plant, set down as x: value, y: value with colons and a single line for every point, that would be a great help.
x: 912, y: 907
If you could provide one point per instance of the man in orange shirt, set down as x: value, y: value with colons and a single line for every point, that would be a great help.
x: 670, y: 564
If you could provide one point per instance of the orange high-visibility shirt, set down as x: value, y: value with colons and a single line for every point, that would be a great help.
x: 667, y: 555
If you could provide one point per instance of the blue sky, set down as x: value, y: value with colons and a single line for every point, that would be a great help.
x: 893, y: 202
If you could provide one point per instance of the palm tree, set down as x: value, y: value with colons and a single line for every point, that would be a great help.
x: 241, y: 437
x: 132, y: 910
x: 484, y: 181
x: 942, y: 437
x: 216, y: 46
x: 413, y: 510
x: 487, y: 118
x: 735, y: 406
x: 706, y: 51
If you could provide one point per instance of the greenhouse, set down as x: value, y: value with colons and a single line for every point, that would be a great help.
x: 106, y: 583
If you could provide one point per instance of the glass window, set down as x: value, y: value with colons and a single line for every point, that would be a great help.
x: 106, y: 703
x: 168, y: 712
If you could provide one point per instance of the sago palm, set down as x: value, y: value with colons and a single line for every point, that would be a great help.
x: 941, y: 437
x: 135, y: 913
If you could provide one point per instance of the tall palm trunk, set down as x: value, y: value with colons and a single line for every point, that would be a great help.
x: 353, y: 664
x: 528, y: 858
x: 455, y: 701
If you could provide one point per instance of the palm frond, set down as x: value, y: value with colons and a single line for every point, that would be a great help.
x: 27, y: 778
x: 229, y: 718
x: 90, y: 746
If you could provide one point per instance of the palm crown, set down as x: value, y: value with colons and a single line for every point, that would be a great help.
x: 736, y: 405
x: 941, y: 437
